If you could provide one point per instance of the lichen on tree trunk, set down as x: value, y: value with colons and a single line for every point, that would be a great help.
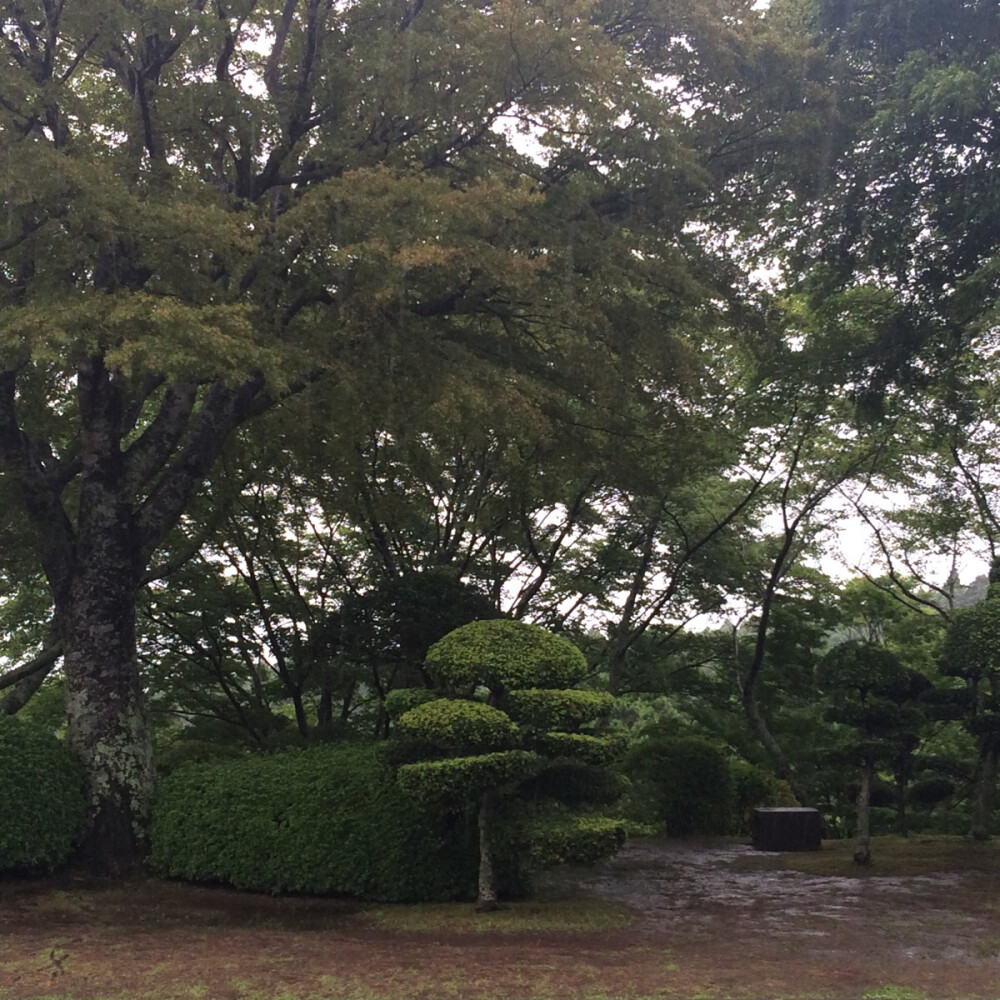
x: 486, y: 898
x: 108, y: 725
x: 95, y: 614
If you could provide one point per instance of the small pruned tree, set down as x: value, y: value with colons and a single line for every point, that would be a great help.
x: 972, y: 652
x: 507, y: 712
x: 875, y: 695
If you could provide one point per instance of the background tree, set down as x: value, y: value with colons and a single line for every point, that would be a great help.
x: 972, y: 652
x: 873, y: 694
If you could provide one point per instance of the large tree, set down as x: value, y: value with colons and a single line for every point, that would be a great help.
x: 210, y: 206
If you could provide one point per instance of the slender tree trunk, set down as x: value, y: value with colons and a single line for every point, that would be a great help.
x: 486, y: 899
x: 986, y: 783
x: 863, y: 850
x: 781, y: 765
x: 902, y: 823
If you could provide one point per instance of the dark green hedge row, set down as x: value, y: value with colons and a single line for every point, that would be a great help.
x: 688, y: 786
x: 42, y: 798
x: 329, y: 819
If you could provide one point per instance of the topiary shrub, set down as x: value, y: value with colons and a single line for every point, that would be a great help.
x: 549, y: 835
x: 459, y: 726
x: 402, y: 700
x: 459, y: 749
x: 42, y: 798
x: 683, y: 784
x: 504, y: 655
x: 329, y: 819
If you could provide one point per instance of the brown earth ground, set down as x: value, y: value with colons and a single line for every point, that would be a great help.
x: 665, y: 919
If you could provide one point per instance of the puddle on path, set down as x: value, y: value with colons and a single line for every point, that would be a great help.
x: 698, y: 889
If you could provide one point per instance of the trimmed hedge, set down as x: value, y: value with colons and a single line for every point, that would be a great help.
x: 554, y: 836
x: 459, y: 726
x: 566, y: 710
x: 328, y: 819
x: 458, y: 779
x: 42, y: 798
x: 504, y: 655
x: 683, y: 783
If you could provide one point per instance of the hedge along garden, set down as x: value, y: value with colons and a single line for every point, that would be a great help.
x: 501, y: 767
x: 460, y: 801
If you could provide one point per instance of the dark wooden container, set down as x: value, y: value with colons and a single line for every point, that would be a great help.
x: 785, y: 829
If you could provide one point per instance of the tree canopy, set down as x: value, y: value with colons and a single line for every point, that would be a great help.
x: 322, y: 321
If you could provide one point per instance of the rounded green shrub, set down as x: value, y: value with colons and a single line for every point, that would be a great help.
x: 972, y: 642
x: 597, y: 750
x: 450, y: 724
x: 42, y: 797
x: 566, y: 710
x: 683, y: 784
x: 505, y: 655
x: 550, y: 836
x: 401, y: 700
x: 458, y: 779
x: 328, y: 819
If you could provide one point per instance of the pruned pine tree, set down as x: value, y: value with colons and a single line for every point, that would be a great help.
x: 507, y: 711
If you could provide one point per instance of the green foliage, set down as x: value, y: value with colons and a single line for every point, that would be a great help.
x: 599, y: 750
x: 47, y: 706
x: 327, y: 819
x: 505, y: 655
x: 401, y: 700
x: 457, y: 779
x: 455, y: 726
x: 683, y: 784
x: 398, y: 620
x: 859, y: 668
x: 194, y: 751
x: 565, y: 710
x: 553, y: 836
x: 42, y: 801
x: 752, y: 787
x: 574, y: 783
x: 972, y: 642
x: 931, y: 791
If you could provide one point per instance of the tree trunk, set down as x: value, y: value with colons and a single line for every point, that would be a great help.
x: 107, y: 721
x: 902, y: 823
x: 986, y: 783
x: 863, y: 850
x: 781, y: 765
x: 107, y: 724
x: 486, y: 899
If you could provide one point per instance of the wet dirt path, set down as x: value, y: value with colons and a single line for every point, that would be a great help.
x: 717, y: 890
x: 712, y: 921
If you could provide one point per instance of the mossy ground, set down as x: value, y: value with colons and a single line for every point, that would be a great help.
x: 912, y: 856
